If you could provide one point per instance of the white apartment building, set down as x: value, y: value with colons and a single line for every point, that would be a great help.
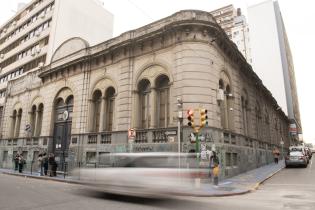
x: 29, y: 39
x: 272, y: 58
x: 234, y: 24
x: 240, y: 36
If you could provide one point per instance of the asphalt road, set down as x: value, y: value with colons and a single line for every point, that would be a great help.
x: 292, y: 188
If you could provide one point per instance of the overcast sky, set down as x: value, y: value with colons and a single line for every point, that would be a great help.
x: 298, y: 16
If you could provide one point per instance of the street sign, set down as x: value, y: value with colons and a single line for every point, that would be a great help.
x: 171, y: 133
x: 131, y: 133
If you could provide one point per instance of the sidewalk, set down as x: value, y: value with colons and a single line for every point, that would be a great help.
x: 241, y: 184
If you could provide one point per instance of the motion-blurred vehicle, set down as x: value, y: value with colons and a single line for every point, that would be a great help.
x: 296, y: 158
x: 146, y: 174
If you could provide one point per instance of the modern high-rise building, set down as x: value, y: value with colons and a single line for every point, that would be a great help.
x: 272, y: 58
x: 235, y: 26
x: 29, y: 39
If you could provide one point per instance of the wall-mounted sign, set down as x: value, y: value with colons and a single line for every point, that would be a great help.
x: 65, y: 115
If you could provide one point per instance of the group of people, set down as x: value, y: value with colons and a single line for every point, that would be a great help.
x: 47, y: 164
x: 19, y: 162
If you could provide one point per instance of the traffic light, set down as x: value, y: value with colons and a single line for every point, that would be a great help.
x: 203, y: 117
x: 190, y: 118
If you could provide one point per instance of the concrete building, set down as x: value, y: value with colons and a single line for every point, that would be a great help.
x: 235, y: 26
x: 29, y: 38
x: 272, y: 58
x: 89, y: 96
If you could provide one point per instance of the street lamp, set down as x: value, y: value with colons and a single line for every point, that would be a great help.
x: 180, y: 117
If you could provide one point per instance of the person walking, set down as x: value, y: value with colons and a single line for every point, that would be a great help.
x: 45, y: 163
x: 16, y: 161
x: 21, y: 163
x: 214, y: 160
x: 52, y: 165
x: 40, y: 164
x: 216, y: 172
x: 276, y: 154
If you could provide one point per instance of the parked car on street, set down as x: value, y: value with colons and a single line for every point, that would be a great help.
x: 296, y: 158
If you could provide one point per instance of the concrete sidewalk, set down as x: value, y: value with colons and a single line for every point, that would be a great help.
x: 241, y: 184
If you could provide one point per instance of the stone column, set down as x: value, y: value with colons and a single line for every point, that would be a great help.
x: 90, y: 115
x: 153, y: 110
x: 135, y: 114
x: 103, y: 114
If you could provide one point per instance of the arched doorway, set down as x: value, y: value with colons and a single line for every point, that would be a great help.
x: 62, y: 128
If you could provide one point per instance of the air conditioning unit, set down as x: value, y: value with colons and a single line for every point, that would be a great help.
x: 38, y: 49
x: 42, y: 15
x: 1, y: 56
x: 41, y: 64
x: 220, y: 95
x: 33, y: 52
x: 37, y: 33
x: 14, y: 23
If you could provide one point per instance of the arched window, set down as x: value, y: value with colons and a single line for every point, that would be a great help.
x: 18, y: 123
x: 244, y: 107
x: 96, y: 113
x: 144, y: 89
x: 162, y: 101
x: 13, y: 122
x: 226, y: 106
x: 258, y: 121
x: 109, y: 112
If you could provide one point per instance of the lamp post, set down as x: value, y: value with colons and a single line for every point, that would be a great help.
x: 180, y: 117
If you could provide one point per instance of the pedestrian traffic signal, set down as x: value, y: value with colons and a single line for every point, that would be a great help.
x: 190, y: 118
x: 203, y: 117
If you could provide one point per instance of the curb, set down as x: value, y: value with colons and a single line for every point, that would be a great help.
x: 241, y: 192
x: 261, y: 182
x: 41, y: 177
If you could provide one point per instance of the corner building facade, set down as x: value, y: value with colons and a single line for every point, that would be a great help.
x: 82, y: 104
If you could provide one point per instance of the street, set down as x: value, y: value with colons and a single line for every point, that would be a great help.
x: 292, y: 188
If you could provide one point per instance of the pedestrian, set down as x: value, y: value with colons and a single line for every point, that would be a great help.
x: 16, y: 161
x: 214, y: 160
x: 216, y: 172
x: 40, y: 164
x: 52, y: 165
x: 276, y: 154
x: 21, y: 163
x: 45, y: 163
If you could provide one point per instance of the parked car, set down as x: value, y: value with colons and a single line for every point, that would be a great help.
x: 302, y: 149
x: 296, y: 158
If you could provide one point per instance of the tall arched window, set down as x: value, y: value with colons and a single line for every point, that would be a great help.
x: 96, y: 116
x: 144, y: 89
x: 162, y: 101
x: 258, y: 121
x: 109, y: 113
x: 13, y: 122
x: 244, y: 107
x: 226, y: 106
x: 18, y: 123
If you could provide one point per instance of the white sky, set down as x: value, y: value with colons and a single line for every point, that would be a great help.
x: 298, y: 16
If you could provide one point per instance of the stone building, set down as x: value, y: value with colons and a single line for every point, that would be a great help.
x: 82, y: 104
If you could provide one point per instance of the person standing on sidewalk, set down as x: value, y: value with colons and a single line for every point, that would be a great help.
x: 276, y: 154
x: 45, y: 163
x: 21, y: 163
x: 216, y: 172
x: 214, y: 160
x: 52, y: 165
x: 40, y: 164
x: 16, y: 161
